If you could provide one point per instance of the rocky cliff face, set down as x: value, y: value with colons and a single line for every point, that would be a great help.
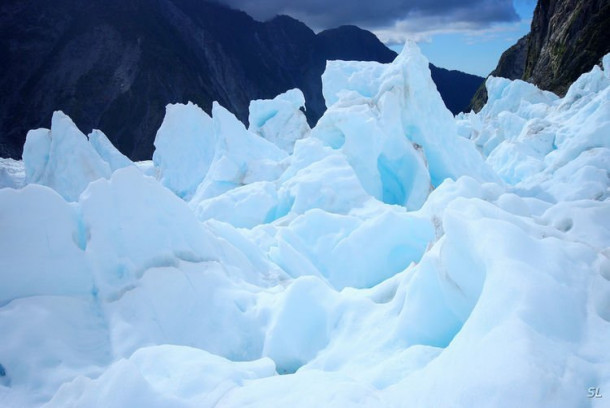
x: 566, y: 39
x: 115, y: 64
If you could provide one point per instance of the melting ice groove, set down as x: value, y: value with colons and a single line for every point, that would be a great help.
x: 391, y: 256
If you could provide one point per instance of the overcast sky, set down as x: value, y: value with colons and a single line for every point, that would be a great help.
x: 469, y: 35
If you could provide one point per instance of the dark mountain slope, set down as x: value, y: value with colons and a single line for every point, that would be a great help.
x: 347, y: 42
x: 456, y: 87
x: 115, y: 64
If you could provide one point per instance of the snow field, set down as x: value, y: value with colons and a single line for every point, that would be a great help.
x: 390, y: 256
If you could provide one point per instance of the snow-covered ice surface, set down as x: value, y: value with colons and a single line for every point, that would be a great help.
x: 391, y: 256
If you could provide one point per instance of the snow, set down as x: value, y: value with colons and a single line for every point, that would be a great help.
x: 392, y: 255
x: 195, y: 377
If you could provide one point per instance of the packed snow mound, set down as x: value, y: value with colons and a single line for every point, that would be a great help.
x: 392, y: 255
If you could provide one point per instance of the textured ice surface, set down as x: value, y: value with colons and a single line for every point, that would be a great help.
x: 62, y: 158
x: 280, y: 120
x: 543, y: 145
x: 392, y: 125
x: 115, y: 159
x: 12, y: 173
x: 391, y: 256
x: 184, y: 148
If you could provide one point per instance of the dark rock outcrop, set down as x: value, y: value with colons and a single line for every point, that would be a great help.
x: 456, y: 87
x: 115, y: 64
x: 566, y: 39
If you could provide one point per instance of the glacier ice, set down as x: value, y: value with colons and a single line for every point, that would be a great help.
x: 45, y: 156
x: 115, y: 159
x: 392, y: 255
x: 280, y: 120
x: 184, y: 148
x: 42, y: 245
x: 543, y: 145
x: 12, y: 173
x: 382, y: 121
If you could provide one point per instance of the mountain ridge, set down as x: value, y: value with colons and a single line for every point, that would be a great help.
x: 115, y: 65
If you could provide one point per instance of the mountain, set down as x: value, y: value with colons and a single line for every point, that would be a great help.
x: 456, y: 87
x: 116, y: 64
x: 566, y: 39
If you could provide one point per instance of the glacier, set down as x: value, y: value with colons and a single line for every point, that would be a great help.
x: 390, y: 256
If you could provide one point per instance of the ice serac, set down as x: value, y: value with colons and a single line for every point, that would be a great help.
x: 240, y: 157
x: 280, y: 120
x: 393, y: 127
x: 184, y: 148
x: 62, y: 158
x: 268, y: 278
x: 506, y: 95
x: 115, y: 159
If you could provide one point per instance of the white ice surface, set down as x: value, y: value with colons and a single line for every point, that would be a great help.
x: 392, y: 256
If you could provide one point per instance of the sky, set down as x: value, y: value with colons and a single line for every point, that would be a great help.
x: 467, y: 35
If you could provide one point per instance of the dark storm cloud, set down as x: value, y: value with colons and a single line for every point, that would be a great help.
x: 375, y: 14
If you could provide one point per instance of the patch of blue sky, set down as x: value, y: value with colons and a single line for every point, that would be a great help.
x: 475, y: 51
